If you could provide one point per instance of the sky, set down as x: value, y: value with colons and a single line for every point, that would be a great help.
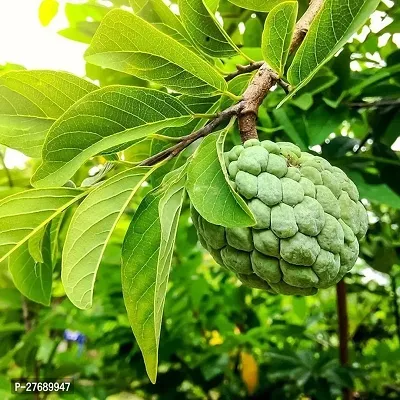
x: 25, y: 41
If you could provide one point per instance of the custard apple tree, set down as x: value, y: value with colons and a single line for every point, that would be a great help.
x: 205, y: 118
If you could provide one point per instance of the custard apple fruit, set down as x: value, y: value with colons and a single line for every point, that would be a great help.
x: 308, y: 220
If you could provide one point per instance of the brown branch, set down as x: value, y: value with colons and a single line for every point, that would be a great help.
x: 266, y: 78
x: 303, y: 24
x: 247, y: 109
x: 254, y: 95
x: 244, y: 69
x: 189, y: 139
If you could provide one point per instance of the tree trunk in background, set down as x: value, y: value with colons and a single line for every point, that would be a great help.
x: 343, y: 331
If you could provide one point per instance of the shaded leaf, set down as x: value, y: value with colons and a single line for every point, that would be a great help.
x: 322, y: 122
x: 293, y: 125
x: 30, y: 103
x: 388, y: 173
x: 35, y: 245
x: 277, y: 36
x: 109, y: 117
x: 127, y: 43
x: 379, y: 193
x: 90, y: 230
x: 379, y: 76
x: 252, y: 36
x: 338, y: 146
x: 209, y: 188
x: 31, y: 277
x: 146, y: 261
x: 205, y: 30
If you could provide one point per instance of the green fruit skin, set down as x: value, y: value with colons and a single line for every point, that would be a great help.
x: 308, y: 220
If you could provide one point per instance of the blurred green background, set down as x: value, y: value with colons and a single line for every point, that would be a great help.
x: 219, y: 339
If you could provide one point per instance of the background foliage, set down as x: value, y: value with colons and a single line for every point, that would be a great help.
x: 221, y: 340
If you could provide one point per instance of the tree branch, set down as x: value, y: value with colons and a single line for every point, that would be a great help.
x: 244, y: 69
x: 189, y: 139
x: 254, y: 95
x: 303, y: 24
x: 266, y: 78
x: 246, y: 109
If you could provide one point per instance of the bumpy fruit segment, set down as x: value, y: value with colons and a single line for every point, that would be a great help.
x: 308, y: 220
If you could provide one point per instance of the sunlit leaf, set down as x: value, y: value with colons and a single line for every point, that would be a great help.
x: 90, y: 230
x: 104, y: 119
x: 277, y: 35
x: 157, y: 11
x: 30, y: 102
x: 23, y: 214
x: 47, y: 11
x: 334, y: 25
x: 127, y: 43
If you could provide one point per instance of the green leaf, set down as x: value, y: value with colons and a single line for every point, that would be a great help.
x: 322, y: 121
x: 209, y: 189
x: 237, y: 86
x: 197, y: 105
x: 93, y: 180
x: 157, y: 11
x: 90, y: 230
x: 380, y: 193
x: 277, y: 36
x: 292, y: 125
x: 146, y: 260
x: 127, y: 43
x: 104, y: 119
x: 32, y: 278
x: 205, y: 30
x: 252, y: 36
x: 35, y: 245
x: 30, y: 103
x: 23, y: 214
x: 56, y: 225
x: 257, y: 5
x: 379, y: 76
x: 212, y: 5
x: 47, y: 11
x: 331, y: 29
